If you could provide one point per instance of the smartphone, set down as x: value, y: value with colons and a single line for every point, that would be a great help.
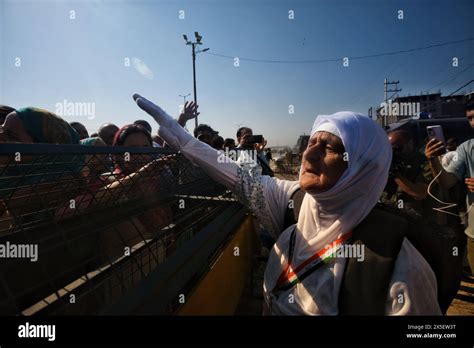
x: 256, y: 139
x: 435, y: 132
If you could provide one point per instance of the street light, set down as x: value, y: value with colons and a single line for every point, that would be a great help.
x: 184, y: 98
x: 194, y: 52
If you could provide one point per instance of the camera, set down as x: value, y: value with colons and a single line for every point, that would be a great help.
x: 256, y: 139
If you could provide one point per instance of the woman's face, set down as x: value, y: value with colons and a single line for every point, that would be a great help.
x: 322, y: 163
x: 12, y: 130
x: 137, y: 160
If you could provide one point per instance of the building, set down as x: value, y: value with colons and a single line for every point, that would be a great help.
x: 423, y: 106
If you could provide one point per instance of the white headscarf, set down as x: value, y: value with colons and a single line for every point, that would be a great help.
x: 326, y: 216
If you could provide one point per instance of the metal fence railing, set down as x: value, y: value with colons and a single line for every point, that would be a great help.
x: 81, y: 226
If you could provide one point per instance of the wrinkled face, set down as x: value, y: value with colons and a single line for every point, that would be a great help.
x: 12, y: 130
x: 470, y: 117
x: 322, y: 163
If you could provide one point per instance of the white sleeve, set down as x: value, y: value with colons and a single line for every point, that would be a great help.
x: 413, y: 289
x: 267, y: 197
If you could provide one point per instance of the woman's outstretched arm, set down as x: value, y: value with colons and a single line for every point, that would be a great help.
x: 267, y: 197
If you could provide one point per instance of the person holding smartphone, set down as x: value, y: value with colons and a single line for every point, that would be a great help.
x: 461, y: 168
x: 249, y: 142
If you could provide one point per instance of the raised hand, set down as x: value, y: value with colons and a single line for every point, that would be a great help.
x: 158, y: 114
x: 189, y: 111
x: 261, y: 146
x: 434, y: 148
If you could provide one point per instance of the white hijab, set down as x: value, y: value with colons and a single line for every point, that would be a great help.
x: 326, y: 216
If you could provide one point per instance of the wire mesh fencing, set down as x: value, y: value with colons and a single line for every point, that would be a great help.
x: 80, y: 225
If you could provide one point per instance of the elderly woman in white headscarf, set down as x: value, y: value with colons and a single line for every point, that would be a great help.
x: 343, y: 173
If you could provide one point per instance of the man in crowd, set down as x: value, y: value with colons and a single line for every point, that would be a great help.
x: 4, y: 111
x: 229, y: 144
x: 219, y: 142
x: 409, y: 174
x: 460, y: 169
x: 203, y: 132
x: 107, y: 133
x: 144, y: 124
x: 268, y: 155
x: 206, y: 134
x: 246, y: 141
x: 80, y: 129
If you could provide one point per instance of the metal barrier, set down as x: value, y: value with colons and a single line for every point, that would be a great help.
x: 84, y: 229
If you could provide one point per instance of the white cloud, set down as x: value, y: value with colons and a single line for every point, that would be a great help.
x: 142, y: 68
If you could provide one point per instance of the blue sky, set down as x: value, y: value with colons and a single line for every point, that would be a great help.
x: 82, y: 59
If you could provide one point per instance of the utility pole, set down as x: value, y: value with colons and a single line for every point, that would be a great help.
x: 194, y: 52
x: 385, y: 93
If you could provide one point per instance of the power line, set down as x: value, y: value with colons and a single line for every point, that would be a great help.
x: 453, y: 77
x: 339, y: 59
x: 461, y: 87
x: 375, y: 86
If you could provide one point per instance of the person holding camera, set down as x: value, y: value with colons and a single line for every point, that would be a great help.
x: 248, y: 142
x: 409, y: 173
x: 460, y: 169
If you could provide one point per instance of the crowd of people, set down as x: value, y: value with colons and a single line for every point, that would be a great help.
x: 350, y: 167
